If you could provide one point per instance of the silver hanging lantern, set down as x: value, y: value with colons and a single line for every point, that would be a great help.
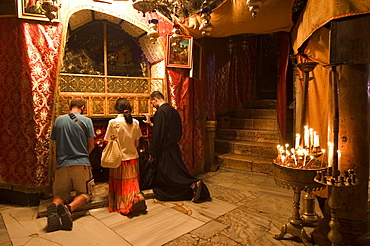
x: 144, y: 6
x: 254, y: 6
x: 153, y: 33
x: 206, y: 27
x: 50, y: 9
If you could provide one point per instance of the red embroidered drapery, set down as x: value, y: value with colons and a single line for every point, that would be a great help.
x: 188, y: 101
x: 28, y: 61
x: 229, y: 71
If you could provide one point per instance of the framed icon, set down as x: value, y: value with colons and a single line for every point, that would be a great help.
x: 179, y: 54
x: 32, y: 9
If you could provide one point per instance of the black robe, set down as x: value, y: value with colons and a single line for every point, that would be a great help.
x: 172, y: 179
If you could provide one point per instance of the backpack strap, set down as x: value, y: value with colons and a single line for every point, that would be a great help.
x: 73, y: 117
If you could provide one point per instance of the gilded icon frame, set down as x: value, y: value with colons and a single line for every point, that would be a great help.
x: 180, y: 56
x: 32, y: 9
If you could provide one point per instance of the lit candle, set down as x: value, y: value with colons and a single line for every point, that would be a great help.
x: 323, y: 156
x: 330, y: 154
x: 293, y: 153
x: 316, y: 140
x: 297, y: 139
x: 311, y: 143
x: 339, y: 164
x: 306, y: 136
x: 305, y: 156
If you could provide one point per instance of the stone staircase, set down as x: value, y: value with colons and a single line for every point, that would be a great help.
x: 246, y: 139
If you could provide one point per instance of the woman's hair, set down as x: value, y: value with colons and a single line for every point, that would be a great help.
x: 123, y: 106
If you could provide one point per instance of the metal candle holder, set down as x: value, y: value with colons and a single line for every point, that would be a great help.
x: 298, y: 180
x: 334, y: 180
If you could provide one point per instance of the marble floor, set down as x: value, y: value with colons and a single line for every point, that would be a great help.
x: 246, y: 209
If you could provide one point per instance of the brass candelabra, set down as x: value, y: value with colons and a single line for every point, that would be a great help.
x: 335, y: 181
x: 297, y: 179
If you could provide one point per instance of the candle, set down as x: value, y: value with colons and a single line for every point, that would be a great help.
x: 322, y: 157
x: 306, y: 136
x: 297, y: 139
x: 339, y: 164
x: 316, y: 142
x: 311, y: 138
x: 330, y: 154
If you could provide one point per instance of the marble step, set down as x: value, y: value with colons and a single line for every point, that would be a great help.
x: 255, y: 114
x: 254, y: 124
x: 264, y: 150
x: 245, y: 163
x: 259, y: 136
x: 261, y: 104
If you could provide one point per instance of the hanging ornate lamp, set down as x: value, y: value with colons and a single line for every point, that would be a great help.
x: 206, y: 27
x: 50, y: 9
x: 144, y: 6
x: 254, y: 6
x: 176, y: 35
x: 153, y: 30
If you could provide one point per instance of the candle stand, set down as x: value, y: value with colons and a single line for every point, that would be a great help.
x: 297, y: 179
x: 334, y: 181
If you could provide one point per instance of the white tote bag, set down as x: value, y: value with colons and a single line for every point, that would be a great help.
x: 112, y: 154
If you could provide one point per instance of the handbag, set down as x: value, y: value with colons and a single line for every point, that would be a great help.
x: 111, y: 156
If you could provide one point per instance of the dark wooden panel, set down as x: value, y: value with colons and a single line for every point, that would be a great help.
x: 350, y: 40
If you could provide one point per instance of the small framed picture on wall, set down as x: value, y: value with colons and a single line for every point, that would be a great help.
x: 33, y: 9
x: 179, y: 54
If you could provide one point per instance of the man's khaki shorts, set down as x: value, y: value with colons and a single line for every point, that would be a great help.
x: 71, y: 178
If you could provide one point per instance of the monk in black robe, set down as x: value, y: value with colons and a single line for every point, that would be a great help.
x: 173, y: 181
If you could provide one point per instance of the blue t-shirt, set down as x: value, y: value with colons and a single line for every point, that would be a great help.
x: 71, y: 140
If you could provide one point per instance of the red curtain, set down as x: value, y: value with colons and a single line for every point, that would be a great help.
x: 188, y: 102
x: 229, y: 71
x: 28, y: 60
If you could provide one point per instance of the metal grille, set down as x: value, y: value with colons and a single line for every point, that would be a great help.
x: 101, y: 93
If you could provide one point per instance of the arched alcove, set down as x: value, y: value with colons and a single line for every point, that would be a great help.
x: 104, y: 58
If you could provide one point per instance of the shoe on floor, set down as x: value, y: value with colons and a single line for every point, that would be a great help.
x: 197, y: 190
x: 139, y: 207
x: 65, y: 217
x: 53, y: 218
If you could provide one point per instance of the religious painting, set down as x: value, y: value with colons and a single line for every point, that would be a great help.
x: 8, y: 8
x: 179, y: 54
x: 195, y: 71
x: 32, y: 9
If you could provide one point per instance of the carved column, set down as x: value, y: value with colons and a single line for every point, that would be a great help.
x: 352, y: 213
x: 210, y: 162
x: 353, y: 142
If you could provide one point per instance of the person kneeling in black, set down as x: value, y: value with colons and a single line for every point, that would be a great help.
x: 173, y: 181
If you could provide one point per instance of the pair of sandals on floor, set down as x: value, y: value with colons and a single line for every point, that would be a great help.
x: 59, y: 217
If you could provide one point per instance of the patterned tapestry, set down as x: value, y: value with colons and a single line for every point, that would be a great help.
x: 229, y: 72
x: 28, y: 62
